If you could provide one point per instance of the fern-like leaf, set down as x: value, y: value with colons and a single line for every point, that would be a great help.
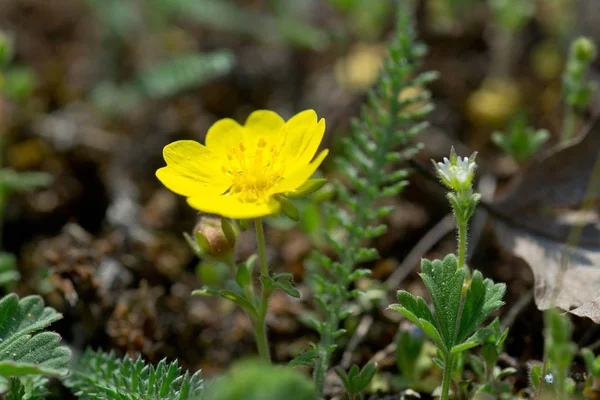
x: 378, y: 142
x: 101, y: 376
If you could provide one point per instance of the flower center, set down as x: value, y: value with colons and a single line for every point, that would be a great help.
x: 253, y: 171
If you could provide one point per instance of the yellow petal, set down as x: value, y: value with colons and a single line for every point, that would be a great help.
x: 300, y: 176
x: 224, y: 136
x: 266, y: 124
x: 303, y: 137
x: 232, y: 207
x: 190, y: 169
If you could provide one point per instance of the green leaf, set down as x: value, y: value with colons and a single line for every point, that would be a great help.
x: 416, y: 306
x: 361, y: 382
x: 535, y: 375
x: 483, y: 297
x: 444, y: 282
x: 242, y: 276
x: 306, y: 358
x: 590, y: 361
x: 506, y: 372
x: 101, y: 376
x: 238, y: 299
x: 341, y: 373
x: 287, y: 287
x: 478, y: 337
x: 23, y: 350
x: 408, y: 350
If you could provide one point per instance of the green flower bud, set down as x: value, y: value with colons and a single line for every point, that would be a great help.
x: 584, y: 49
x: 457, y: 172
x: 215, y: 238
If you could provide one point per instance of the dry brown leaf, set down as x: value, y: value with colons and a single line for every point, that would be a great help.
x: 536, y: 219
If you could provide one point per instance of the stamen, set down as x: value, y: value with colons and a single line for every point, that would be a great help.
x: 253, y: 174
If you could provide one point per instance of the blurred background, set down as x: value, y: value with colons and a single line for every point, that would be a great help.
x: 92, y: 90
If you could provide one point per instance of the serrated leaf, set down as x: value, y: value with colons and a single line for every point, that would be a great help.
x: 483, y: 297
x: 22, y: 350
x: 444, y: 282
x: 103, y: 376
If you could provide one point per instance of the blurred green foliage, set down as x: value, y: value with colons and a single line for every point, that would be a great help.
x: 250, y: 380
x: 521, y: 141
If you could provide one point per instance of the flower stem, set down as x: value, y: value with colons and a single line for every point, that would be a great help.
x: 447, y: 380
x: 462, y: 243
x: 260, y: 328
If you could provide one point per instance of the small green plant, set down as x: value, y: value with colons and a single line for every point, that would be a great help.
x: 380, y: 140
x: 577, y: 91
x: 592, y: 383
x: 461, y: 301
x: 552, y: 377
x: 100, y: 376
x: 250, y: 380
x: 484, y: 365
x: 356, y: 380
x: 521, y: 141
x: 26, y: 351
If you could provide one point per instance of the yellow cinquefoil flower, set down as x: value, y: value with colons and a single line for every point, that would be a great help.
x: 241, y: 170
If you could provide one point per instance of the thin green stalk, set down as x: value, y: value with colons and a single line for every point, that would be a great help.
x: 447, y: 380
x: 462, y: 243
x: 260, y: 328
x: 569, y: 124
x: 322, y: 364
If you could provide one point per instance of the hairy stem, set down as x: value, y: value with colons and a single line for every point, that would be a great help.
x: 462, y: 243
x: 447, y: 380
x: 260, y: 328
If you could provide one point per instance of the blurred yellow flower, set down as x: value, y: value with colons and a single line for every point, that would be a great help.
x: 241, y: 170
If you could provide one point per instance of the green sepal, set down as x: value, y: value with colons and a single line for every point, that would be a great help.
x: 241, y: 301
x: 309, y: 187
x: 288, y: 208
x: 193, y: 245
x: 230, y: 231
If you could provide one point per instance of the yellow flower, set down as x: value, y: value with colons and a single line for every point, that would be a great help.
x: 241, y: 170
